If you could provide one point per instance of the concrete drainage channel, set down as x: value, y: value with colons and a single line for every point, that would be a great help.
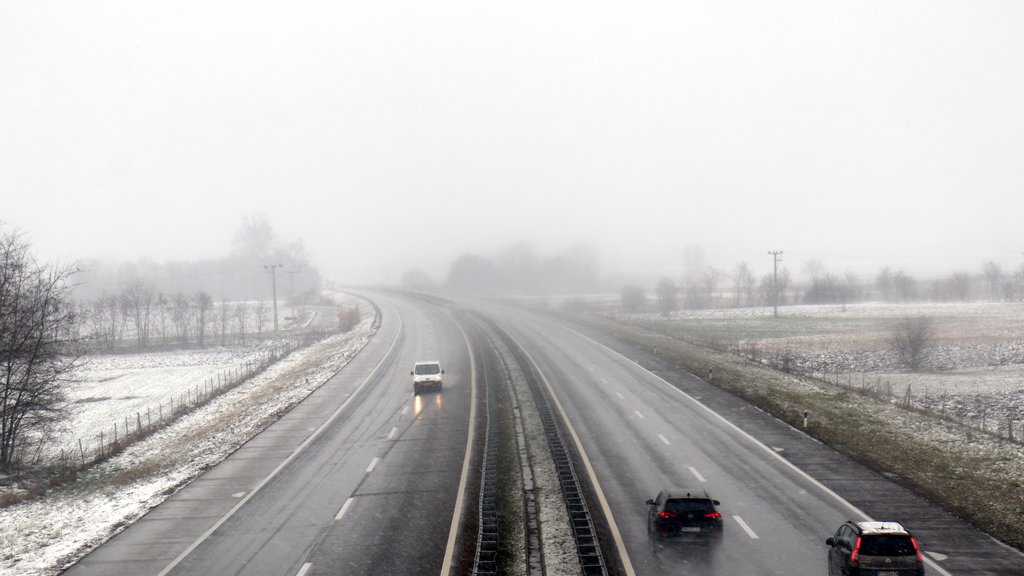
x: 551, y: 524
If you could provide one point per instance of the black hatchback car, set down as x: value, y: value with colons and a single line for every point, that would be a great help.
x: 687, y: 512
x: 873, y: 549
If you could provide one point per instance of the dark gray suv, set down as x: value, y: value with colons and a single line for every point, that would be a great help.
x: 873, y: 549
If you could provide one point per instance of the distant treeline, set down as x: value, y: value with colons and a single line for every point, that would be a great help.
x: 518, y: 269
x: 712, y: 288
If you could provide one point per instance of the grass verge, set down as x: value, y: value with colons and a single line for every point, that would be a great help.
x: 975, y: 476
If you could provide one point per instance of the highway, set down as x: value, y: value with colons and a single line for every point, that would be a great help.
x: 364, y: 478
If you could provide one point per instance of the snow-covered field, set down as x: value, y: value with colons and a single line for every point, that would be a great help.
x: 112, y: 391
x: 974, y: 368
x: 44, y: 535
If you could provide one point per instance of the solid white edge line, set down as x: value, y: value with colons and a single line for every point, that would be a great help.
x: 616, y: 535
x: 312, y: 437
x: 453, y: 532
x: 344, y: 508
x: 746, y: 528
x: 305, y: 568
x: 750, y: 438
x: 373, y: 464
x: 697, y: 474
x: 665, y: 440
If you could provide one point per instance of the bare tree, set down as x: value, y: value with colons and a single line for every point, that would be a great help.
x: 994, y: 278
x: 139, y: 298
x: 181, y: 317
x: 37, y: 345
x: 634, y: 298
x: 910, y: 339
x: 222, y: 324
x: 261, y: 315
x: 666, y: 292
x: 203, y: 302
x: 959, y: 286
x: 242, y: 319
x: 884, y: 284
x: 744, y: 282
x: 905, y: 286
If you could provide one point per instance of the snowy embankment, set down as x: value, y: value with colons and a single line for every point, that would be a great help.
x: 45, y: 535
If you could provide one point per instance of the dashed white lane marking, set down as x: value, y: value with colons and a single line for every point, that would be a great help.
x: 391, y: 435
x: 639, y: 415
x: 746, y: 528
x: 305, y: 568
x: 238, y: 494
x: 603, y: 381
x: 697, y: 474
x: 344, y: 508
x: 621, y: 397
x: 404, y: 411
x: 937, y: 556
x: 665, y: 440
x: 373, y: 464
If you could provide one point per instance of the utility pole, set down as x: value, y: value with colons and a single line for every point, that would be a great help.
x: 775, y: 281
x: 273, y: 282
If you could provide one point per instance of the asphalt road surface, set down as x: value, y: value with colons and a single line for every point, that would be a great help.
x: 365, y: 478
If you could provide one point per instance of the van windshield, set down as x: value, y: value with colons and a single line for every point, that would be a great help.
x: 428, y: 369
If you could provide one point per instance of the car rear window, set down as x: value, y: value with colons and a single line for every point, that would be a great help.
x: 428, y: 369
x: 685, y: 505
x: 886, y: 545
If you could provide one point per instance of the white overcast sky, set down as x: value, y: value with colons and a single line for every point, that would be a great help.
x: 387, y: 135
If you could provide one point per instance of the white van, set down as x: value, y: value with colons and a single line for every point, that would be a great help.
x: 426, y: 374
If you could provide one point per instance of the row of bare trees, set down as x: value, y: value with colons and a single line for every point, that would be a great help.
x: 708, y: 287
x: 702, y: 291
x: 141, y: 316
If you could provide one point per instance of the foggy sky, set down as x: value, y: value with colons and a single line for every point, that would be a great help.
x: 388, y: 135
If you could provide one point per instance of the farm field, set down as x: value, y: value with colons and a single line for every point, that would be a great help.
x: 973, y: 368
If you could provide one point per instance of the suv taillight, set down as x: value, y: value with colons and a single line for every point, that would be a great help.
x: 713, y: 515
x: 917, y: 550
x: 856, y: 551
x: 667, y: 514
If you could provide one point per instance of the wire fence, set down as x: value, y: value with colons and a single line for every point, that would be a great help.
x: 132, y: 427
x: 1001, y: 419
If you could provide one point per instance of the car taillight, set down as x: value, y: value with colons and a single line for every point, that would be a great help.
x: 917, y: 550
x: 667, y: 514
x: 856, y: 551
x: 713, y: 515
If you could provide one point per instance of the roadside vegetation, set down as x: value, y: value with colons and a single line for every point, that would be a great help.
x: 975, y: 475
